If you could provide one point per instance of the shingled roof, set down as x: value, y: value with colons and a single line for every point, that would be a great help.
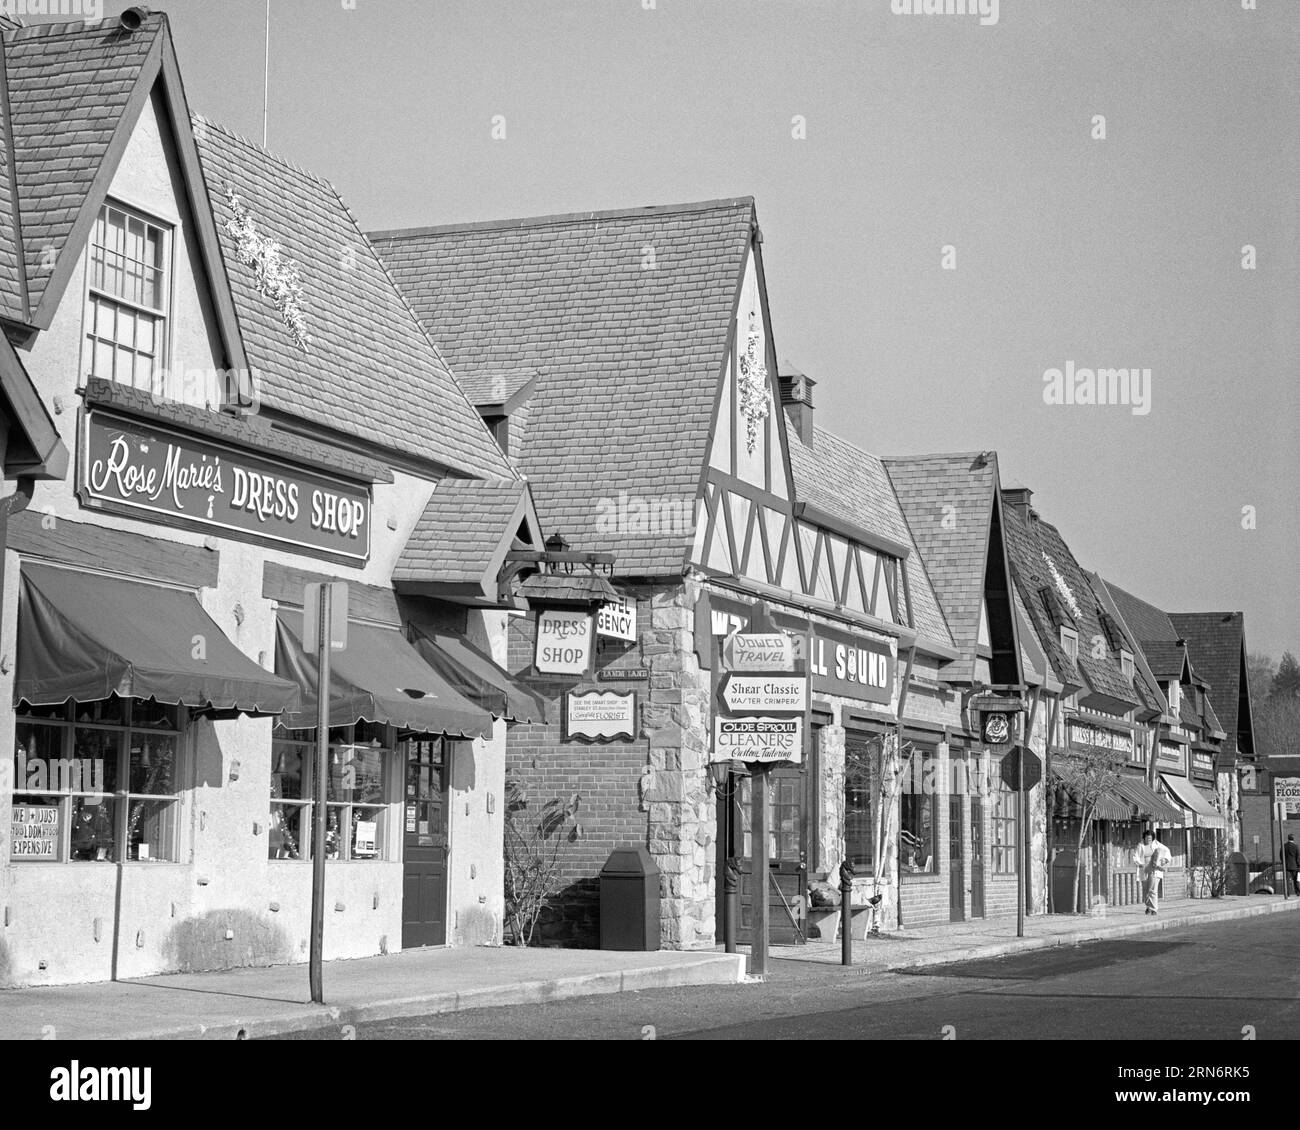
x: 842, y: 479
x: 625, y: 315
x: 368, y: 361
x: 1155, y: 631
x: 955, y: 552
x: 69, y: 85
x: 1145, y: 680
x: 445, y: 548
x: 1216, y: 643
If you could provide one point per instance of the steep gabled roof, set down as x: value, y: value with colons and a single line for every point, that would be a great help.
x: 947, y: 501
x: 1216, y: 643
x: 1144, y: 678
x: 848, y: 482
x: 70, y: 87
x: 1155, y: 631
x: 463, y: 534
x: 625, y: 316
x: 369, y: 370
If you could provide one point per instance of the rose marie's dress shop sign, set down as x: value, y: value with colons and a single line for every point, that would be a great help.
x: 156, y: 474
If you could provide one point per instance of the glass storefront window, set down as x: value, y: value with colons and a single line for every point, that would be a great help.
x: 859, y: 782
x: 356, y: 793
x: 918, y: 819
x: 92, y: 779
x: 1004, y: 831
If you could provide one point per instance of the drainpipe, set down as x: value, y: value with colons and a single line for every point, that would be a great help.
x: 1053, y: 718
x: 898, y: 856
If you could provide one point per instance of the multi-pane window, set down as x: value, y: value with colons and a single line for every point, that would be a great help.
x: 859, y: 776
x: 1070, y: 643
x: 126, y: 311
x: 97, y: 782
x: 1126, y: 663
x: 918, y: 837
x: 356, y: 793
x: 1003, y: 821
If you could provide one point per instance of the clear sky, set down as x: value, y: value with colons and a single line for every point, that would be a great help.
x: 921, y: 132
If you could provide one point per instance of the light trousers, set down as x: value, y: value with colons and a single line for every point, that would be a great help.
x: 1151, y: 889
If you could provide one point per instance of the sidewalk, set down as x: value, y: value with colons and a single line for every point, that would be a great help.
x: 246, y: 1003
x: 985, y: 938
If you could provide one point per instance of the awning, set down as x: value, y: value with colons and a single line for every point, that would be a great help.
x: 378, y: 677
x: 1195, y: 801
x: 87, y: 637
x: 1113, y: 807
x: 1149, y: 805
x: 478, y: 678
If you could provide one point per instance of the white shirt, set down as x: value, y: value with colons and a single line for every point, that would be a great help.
x: 1152, y: 857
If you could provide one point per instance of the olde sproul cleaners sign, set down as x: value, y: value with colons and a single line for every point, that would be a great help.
x: 133, y: 467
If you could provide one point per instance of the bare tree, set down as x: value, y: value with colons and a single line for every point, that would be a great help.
x: 1087, y: 774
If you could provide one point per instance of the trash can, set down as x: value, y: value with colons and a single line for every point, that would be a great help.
x: 1238, y: 875
x: 629, y: 900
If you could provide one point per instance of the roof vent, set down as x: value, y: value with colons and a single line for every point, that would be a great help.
x: 132, y: 18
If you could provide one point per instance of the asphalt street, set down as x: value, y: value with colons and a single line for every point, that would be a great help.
x: 1222, y: 981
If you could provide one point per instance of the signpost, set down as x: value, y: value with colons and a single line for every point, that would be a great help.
x: 760, y: 718
x: 325, y: 628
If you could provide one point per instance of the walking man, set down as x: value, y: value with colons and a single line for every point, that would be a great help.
x: 1151, y: 857
x: 1291, y: 861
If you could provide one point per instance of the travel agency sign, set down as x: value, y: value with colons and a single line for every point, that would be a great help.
x: 154, y: 473
x: 760, y: 714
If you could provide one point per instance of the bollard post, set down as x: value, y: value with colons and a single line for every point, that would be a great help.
x: 730, y: 903
x: 846, y: 913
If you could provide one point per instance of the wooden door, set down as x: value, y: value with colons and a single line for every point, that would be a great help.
x: 787, y: 858
x: 956, y: 859
x: 424, y: 860
x: 976, y: 857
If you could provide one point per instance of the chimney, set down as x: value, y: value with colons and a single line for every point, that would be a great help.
x: 1017, y: 498
x: 796, y: 399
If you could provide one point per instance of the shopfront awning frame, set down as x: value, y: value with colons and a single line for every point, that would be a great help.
x: 88, y: 637
x: 1194, y: 801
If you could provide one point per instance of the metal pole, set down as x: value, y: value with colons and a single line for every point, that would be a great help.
x: 318, y: 791
x: 846, y: 913
x: 1022, y: 814
x: 758, y: 873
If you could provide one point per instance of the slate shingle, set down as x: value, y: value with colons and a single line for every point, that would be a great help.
x: 444, y: 546
x: 842, y: 479
x: 628, y: 355
x: 1216, y: 642
x: 370, y: 370
x: 947, y: 501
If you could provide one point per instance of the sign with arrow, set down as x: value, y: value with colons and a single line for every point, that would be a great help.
x: 767, y: 693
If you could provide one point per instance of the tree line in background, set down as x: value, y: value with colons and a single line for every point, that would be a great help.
x: 1275, y: 697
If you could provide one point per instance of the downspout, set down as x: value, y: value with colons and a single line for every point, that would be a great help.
x: 1053, y: 718
x: 898, y: 855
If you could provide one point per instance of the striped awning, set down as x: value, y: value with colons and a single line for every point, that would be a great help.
x: 1149, y: 806
x: 1194, y: 801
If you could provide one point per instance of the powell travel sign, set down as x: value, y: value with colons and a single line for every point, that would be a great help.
x: 160, y: 475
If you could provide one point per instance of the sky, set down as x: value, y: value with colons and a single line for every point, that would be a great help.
x: 927, y: 142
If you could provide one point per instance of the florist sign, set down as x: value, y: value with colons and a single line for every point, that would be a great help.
x: 170, y: 477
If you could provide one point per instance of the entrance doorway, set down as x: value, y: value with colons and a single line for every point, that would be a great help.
x: 976, y: 857
x: 787, y: 857
x: 424, y: 860
x: 956, y: 859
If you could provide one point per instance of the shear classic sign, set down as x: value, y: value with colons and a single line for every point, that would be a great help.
x: 132, y: 466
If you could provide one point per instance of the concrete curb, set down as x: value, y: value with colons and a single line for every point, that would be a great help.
x: 1087, y: 934
x: 710, y: 969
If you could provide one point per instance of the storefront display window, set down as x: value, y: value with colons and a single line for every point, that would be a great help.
x: 90, y: 777
x: 859, y: 776
x: 1004, y: 831
x: 919, y: 817
x: 356, y: 793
